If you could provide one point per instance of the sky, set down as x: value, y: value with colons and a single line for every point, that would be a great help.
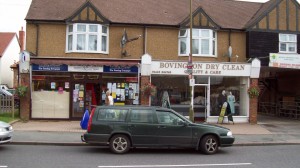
x: 13, y: 13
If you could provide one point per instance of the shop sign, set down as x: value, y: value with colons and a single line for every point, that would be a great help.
x: 24, y: 62
x: 284, y: 60
x: 87, y: 68
x: 62, y: 67
x: 199, y: 68
x: 120, y: 69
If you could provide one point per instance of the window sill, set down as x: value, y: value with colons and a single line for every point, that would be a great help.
x: 85, y: 52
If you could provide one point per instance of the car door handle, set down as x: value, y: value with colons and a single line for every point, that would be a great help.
x: 162, y: 126
x: 131, y: 125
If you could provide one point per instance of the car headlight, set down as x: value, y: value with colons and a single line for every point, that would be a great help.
x: 229, y: 133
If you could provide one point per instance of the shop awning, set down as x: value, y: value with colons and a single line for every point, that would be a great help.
x: 83, y: 62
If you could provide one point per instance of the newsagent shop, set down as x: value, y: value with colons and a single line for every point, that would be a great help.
x: 64, y: 89
x: 214, y: 83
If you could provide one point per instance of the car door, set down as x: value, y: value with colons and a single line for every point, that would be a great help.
x: 172, y: 131
x: 142, y: 127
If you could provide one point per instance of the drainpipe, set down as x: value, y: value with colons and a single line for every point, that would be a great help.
x: 229, y: 47
x: 145, y: 40
x: 37, y: 39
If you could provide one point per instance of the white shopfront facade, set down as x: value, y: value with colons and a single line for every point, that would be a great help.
x: 209, y: 80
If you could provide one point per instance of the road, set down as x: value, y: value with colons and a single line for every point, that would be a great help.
x: 39, y: 156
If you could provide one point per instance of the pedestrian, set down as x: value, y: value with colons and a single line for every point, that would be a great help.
x: 109, y: 101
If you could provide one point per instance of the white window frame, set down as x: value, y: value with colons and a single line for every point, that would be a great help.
x: 99, y: 35
x: 186, y: 37
x: 288, y: 41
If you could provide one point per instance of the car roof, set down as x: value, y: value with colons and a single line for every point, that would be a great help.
x: 134, y: 107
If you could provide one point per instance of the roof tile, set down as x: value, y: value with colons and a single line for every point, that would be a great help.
x: 5, y: 41
x: 228, y: 14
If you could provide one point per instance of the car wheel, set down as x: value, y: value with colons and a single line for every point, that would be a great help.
x: 209, y: 144
x: 119, y: 144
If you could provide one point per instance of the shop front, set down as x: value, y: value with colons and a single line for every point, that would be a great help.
x: 65, y: 91
x: 214, y: 83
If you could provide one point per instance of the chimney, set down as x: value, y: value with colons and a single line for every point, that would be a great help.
x: 22, y: 39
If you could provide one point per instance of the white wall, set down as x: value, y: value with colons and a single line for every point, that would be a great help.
x: 11, y: 54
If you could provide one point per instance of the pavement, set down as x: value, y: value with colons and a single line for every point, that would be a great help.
x: 268, y: 131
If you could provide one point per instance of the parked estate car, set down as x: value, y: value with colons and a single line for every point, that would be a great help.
x: 6, y: 131
x: 125, y: 127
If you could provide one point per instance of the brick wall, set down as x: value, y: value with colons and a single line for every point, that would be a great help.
x: 253, y: 105
x: 25, y: 101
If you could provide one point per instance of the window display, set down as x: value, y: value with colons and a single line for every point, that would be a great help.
x: 222, y: 89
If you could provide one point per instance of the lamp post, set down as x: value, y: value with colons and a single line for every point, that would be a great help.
x: 190, y: 66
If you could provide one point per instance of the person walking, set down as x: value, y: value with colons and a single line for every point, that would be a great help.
x: 109, y: 101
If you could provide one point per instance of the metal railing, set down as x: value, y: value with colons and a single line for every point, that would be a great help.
x: 289, y: 109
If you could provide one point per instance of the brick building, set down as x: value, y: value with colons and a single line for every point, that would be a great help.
x: 81, y: 49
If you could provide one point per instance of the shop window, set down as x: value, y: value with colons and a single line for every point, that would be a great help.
x: 87, y: 38
x: 50, y: 82
x: 288, y: 43
x: 203, y: 42
x: 178, y: 94
x: 50, y: 95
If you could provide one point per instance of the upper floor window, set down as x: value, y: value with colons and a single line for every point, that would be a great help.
x: 203, y: 42
x: 88, y: 38
x: 288, y: 43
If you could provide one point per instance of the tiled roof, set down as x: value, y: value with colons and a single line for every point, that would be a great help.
x: 265, y: 7
x: 5, y: 39
x: 228, y: 14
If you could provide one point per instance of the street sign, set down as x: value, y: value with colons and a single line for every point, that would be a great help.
x: 192, y: 82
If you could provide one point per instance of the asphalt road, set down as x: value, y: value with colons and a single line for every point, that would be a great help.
x: 43, y: 156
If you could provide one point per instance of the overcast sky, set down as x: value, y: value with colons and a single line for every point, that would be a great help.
x: 13, y: 13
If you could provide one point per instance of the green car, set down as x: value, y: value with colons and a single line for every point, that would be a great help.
x: 126, y: 127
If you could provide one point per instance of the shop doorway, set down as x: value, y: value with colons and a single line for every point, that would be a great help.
x: 85, y: 96
x: 201, y: 104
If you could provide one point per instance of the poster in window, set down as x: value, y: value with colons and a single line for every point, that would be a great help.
x: 109, y: 85
x: 60, y: 90
x: 114, y: 90
x: 76, y: 86
x: 122, y: 94
x: 81, y: 104
x: 67, y: 85
x: 81, y: 94
x: 118, y: 94
x: 81, y: 87
x: 52, y: 85
x: 130, y: 93
x: 75, y: 95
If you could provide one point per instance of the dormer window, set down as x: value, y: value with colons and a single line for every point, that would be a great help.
x: 287, y: 43
x: 87, y: 38
x: 204, y: 42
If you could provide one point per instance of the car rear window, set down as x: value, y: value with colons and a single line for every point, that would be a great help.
x: 112, y: 114
x: 141, y: 116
